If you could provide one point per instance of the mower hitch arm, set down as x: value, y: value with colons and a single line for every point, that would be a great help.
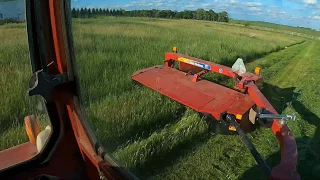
x: 289, y: 153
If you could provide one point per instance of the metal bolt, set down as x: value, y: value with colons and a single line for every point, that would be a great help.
x: 283, y: 118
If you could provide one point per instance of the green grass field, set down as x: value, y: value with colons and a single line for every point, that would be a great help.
x: 152, y: 135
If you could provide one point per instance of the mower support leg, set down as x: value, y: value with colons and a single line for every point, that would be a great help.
x: 199, y: 74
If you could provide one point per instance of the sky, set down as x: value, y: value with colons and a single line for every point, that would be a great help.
x: 304, y: 13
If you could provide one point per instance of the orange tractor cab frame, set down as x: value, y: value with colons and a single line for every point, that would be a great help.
x: 73, y: 151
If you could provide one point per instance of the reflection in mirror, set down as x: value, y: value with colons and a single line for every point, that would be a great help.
x: 22, y: 118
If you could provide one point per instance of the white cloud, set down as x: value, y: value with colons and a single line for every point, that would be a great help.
x: 206, y: 5
x: 316, y: 12
x: 233, y: 1
x: 254, y: 9
x: 128, y: 5
x: 280, y: 14
x: 252, y: 4
x: 158, y: 1
x: 316, y: 17
x: 300, y: 9
x: 190, y: 6
x: 159, y: 4
x: 310, y: 1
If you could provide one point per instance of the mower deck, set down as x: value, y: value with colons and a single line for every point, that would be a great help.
x: 203, y: 96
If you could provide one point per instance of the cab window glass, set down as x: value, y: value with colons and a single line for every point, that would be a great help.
x: 158, y: 138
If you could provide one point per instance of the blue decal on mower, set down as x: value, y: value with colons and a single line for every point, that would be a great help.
x: 204, y: 66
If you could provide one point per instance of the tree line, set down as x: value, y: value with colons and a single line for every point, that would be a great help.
x: 199, y: 14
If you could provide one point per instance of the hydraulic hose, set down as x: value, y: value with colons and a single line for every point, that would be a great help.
x: 232, y: 119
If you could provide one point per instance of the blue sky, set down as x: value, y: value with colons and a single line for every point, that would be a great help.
x: 304, y: 13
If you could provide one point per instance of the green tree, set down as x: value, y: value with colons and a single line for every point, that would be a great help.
x: 162, y: 14
x: 89, y: 13
x: 213, y: 15
x: 85, y: 12
x: 74, y: 13
x: 169, y: 14
x: 200, y: 14
x: 100, y: 12
x: 136, y: 13
x: 94, y: 12
x: 78, y: 12
x: 179, y: 15
x: 81, y: 14
x: 223, y: 17
x: 157, y: 15
x: 122, y: 12
x: 107, y: 12
x: 112, y: 12
x: 144, y: 13
x: 131, y: 14
x: 187, y: 14
x: 207, y: 16
x: 153, y: 12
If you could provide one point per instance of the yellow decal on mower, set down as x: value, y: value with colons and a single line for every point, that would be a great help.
x: 195, y: 63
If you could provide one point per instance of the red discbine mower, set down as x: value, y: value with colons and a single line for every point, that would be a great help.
x: 229, y: 111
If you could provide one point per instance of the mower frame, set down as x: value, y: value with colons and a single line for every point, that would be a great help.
x: 248, y: 84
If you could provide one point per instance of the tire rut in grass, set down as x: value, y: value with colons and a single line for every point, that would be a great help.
x: 295, y: 66
x: 274, y: 63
